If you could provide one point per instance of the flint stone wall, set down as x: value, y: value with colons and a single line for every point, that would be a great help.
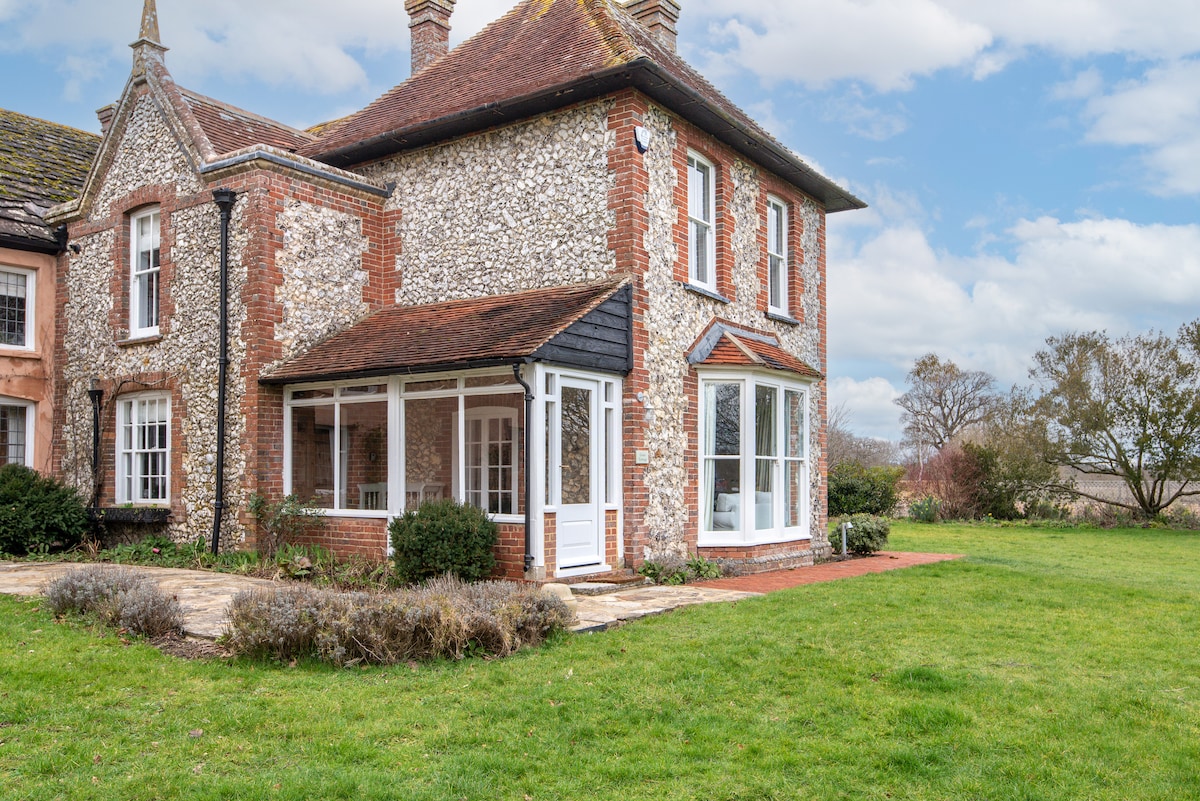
x: 676, y: 316
x: 518, y: 208
x: 185, y: 358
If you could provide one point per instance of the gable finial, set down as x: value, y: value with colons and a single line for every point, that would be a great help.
x: 147, y: 47
x: 149, y: 22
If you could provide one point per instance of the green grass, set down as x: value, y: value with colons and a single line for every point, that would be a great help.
x: 1049, y: 664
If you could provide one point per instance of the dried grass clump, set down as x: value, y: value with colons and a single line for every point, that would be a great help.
x: 117, y: 597
x: 443, y: 618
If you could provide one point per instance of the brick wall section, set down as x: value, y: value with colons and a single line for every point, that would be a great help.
x: 763, y: 558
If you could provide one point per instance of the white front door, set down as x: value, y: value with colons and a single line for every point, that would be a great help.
x: 579, y: 539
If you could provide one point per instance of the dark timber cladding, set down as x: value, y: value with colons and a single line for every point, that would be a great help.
x: 601, y: 340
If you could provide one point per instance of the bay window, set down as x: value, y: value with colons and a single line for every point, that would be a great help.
x: 754, y: 461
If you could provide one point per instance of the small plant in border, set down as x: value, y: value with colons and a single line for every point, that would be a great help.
x: 442, y: 537
x: 283, y: 520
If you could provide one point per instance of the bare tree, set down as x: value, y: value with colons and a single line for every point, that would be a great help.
x: 943, y: 401
x: 843, y: 446
x: 1128, y: 408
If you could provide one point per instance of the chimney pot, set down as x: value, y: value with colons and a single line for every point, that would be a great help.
x: 430, y: 30
x: 659, y: 17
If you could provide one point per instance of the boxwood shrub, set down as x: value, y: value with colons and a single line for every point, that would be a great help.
x: 443, y: 537
x: 867, y: 535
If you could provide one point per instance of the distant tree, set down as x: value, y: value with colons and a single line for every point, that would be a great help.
x: 943, y: 401
x: 843, y: 446
x: 1128, y: 408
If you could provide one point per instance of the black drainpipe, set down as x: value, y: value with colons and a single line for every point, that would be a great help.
x: 96, y: 395
x: 528, y: 474
x: 224, y: 198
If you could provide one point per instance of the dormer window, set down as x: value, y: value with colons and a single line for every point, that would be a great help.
x: 777, y: 256
x: 144, y: 286
x: 701, y: 238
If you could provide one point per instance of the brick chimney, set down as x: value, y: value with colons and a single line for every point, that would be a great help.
x: 105, y: 115
x: 430, y: 28
x: 659, y: 17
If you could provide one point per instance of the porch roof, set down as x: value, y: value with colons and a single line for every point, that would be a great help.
x: 564, y: 324
x: 725, y: 346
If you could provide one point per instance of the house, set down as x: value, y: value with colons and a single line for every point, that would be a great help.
x: 41, y: 164
x: 554, y: 274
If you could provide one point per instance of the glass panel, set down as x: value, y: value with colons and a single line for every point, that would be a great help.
x: 723, y: 419
x: 312, y: 455
x: 431, y: 386
x: 364, y: 439
x: 793, y: 416
x: 366, y: 389
x: 723, y: 499
x: 775, y: 283
x: 576, y: 437
x: 550, y: 451
x: 428, y: 437
x: 492, y: 381
x: 609, y: 446
x: 311, y: 394
x: 764, y: 421
x: 794, y: 500
x: 12, y: 309
x: 699, y: 252
x: 764, y: 493
x: 495, y: 438
x: 12, y: 435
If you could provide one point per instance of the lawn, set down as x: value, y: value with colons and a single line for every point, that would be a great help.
x: 1047, y: 665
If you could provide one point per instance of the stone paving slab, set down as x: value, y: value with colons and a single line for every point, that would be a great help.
x: 598, y: 612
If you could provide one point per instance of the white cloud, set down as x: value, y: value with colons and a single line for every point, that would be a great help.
x: 1160, y: 113
x: 892, y: 297
x: 870, y: 405
x: 869, y: 122
x: 885, y: 43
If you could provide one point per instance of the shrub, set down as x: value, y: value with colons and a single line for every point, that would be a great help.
x: 854, y: 489
x: 284, y: 520
x: 925, y: 510
x: 117, y: 597
x: 443, y: 537
x: 444, y: 618
x: 867, y: 534
x: 672, y: 570
x: 38, y: 512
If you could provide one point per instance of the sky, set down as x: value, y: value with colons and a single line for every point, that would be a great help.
x: 1032, y: 167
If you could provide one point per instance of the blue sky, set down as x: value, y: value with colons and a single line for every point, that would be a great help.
x: 1032, y: 167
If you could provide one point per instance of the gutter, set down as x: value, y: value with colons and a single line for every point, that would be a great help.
x: 224, y: 198
x: 516, y: 368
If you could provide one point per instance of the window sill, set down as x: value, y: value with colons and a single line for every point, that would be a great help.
x: 735, y: 540
x: 149, y: 339
x: 780, y: 317
x: 706, y: 292
x: 14, y: 352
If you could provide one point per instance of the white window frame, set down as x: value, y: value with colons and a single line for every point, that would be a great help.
x: 342, y: 394
x: 29, y: 409
x: 144, y: 280
x: 132, y: 413
x: 30, y: 277
x: 777, y: 256
x: 747, y: 533
x: 484, y: 415
x: 702, y: 193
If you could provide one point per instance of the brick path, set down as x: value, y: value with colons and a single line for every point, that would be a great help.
x: 829, y: 571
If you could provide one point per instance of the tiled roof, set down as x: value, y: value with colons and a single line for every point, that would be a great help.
x: 545, y: 54
x: 461, y: 333
x: 725, y: 346
x: 41, y: 164
x: 229, y: 128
